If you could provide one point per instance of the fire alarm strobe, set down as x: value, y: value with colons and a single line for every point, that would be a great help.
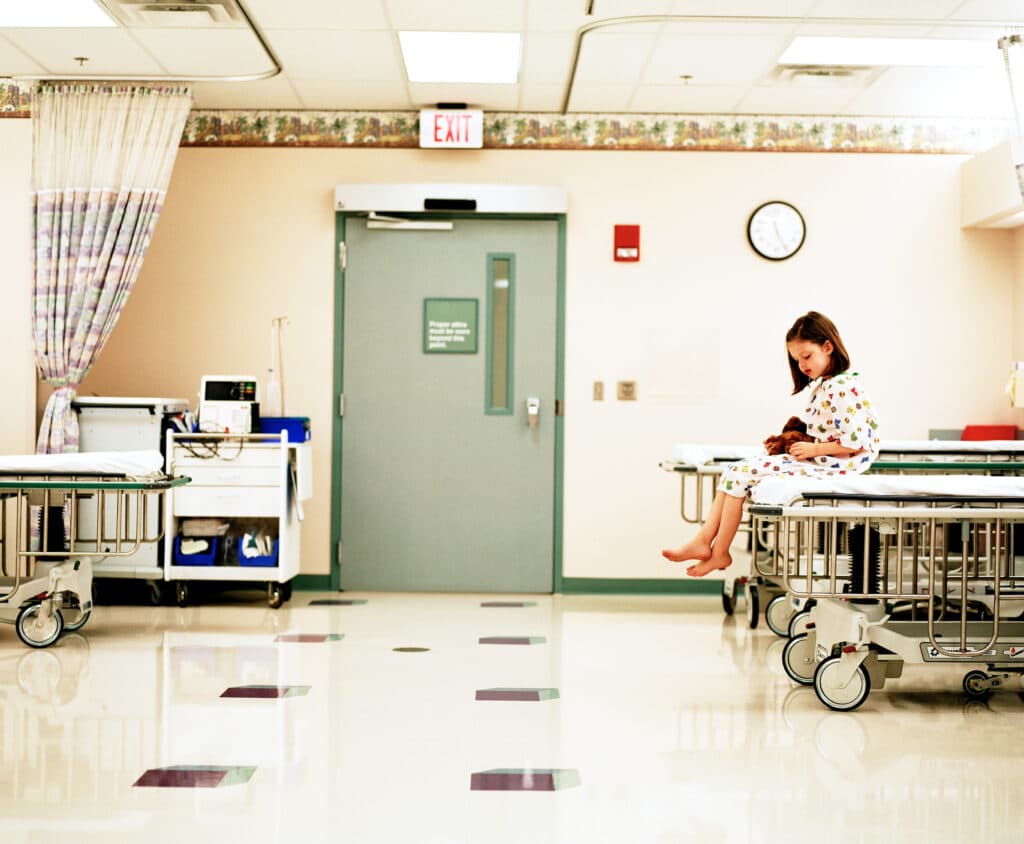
x: 627, y: 243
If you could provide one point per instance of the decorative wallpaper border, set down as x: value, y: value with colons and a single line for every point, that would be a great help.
x: 515, y: 130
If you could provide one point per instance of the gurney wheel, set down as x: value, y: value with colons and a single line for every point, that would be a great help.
x: 777, y: 615
x: 181, y: 593
x: 275, y: 595
x: 753, y: 606
x: 78, y: 623
x: 798, y: 623
x: 728, y: 598
x: 841, y: 699
x: 975, y: 685
x: 38, y: 632
x: 798, y: 659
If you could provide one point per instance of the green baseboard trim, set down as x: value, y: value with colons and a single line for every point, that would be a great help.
x: 628, y: 586
x: 312, y: 582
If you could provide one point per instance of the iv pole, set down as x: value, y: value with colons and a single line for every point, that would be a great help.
x: 275, y: 387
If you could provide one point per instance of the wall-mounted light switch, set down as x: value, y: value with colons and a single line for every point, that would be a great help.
x: 599, y: 391
x: 627, y: 390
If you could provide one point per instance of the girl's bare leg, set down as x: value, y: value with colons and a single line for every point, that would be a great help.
x: 699, y: 548
x: 719, y: 557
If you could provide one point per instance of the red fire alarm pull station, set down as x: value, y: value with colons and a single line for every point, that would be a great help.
x: 627, y: 243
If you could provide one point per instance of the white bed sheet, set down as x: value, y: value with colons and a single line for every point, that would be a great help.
x: 782, y: 491
x: 131, y: 464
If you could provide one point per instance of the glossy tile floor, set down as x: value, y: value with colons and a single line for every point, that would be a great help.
x: 631, y: 719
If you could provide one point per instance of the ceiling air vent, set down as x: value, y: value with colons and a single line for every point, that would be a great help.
x: 827, y: 76
x: 176, y: 13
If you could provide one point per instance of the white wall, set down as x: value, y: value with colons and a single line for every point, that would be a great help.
x: 925, y: 308
x: 17, y: 370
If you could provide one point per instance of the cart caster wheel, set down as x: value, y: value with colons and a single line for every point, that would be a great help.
x: 286, y: 589
x: 78, y: 623
x: 778, y: 614
x: 156, y: 593
x: 181, y: 593
x: 38, y: 631
x: 798, y: 659
x: 841, y: 699
x: 753, y: 606
x: 729, y: 597
x: 976, y: 685
x: 798, y: 623
x: 275, y: 595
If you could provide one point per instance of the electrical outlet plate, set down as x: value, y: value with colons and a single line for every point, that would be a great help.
x: 626, y: 391
x: 599, y: 391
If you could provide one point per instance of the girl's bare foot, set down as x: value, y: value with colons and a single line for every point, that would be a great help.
x: 720, y: 560
x: 696, y: 549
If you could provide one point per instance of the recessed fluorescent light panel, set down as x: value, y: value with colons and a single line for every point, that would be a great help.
x: 866, y: 52
x: 481, y: 57
x: 62, y: 14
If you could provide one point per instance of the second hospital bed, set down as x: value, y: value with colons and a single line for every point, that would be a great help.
x: 47, y: 549
x: 938, y: 543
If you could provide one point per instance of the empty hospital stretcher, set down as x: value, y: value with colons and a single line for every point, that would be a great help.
x: 46, y: 546
x: 700, y: 466
x: 937, y: 580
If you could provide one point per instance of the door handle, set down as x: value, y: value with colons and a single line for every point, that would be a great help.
x: 533, y: 411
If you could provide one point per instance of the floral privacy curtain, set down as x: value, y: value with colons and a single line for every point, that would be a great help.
x: 102, y: 155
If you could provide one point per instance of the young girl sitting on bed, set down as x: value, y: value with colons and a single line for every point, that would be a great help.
x: 838, y: 415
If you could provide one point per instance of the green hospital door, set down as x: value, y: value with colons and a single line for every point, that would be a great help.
x: 445, y: 486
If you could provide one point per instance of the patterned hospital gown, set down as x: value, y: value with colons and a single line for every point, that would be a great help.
x: 837, y: 411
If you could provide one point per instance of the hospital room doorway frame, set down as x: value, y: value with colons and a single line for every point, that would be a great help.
x: 340, y: 262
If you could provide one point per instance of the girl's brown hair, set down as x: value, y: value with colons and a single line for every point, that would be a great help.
x: 819, y: 329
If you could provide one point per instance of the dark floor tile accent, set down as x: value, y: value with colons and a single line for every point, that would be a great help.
x: 337, y: 602
x: 410, y: 650
x: 524, y: 779
x: 266, y: 691
x: 195, y: 776
x: 517, y: 694
x: 509, y: 604
x: 512, y: 640
x: 310, y: 637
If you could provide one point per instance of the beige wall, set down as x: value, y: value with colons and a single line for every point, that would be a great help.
x: 17, y: 372
x: 926, y: 309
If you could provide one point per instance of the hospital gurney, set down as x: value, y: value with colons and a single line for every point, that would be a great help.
x: 857, y: 635
x: 45, y: 563
x: 700, y: 466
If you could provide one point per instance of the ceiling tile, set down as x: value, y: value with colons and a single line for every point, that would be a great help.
x: 795, y: 99
x: 338, y: 55
x: 276, y: 93
x: 318, y: 14
x: 457, y: 15
x: 487, y: 97
x: 340, y: 95
x: 613, y: 58
x: 1006, y: 11
x: 13, y: 62
x: 911, y: 9
x: 752, y: 8
x: 607, y: 98
x: 860, y: 30
x: 206, y: 52
x: 718, y: 60
x: 686, y: 99
x: 110, y: 51
x: 540, y: 97
x: 546, y: 56
x: 556, y: 15
x: 936, y: 92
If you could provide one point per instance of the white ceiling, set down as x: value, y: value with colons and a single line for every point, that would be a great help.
x: 344, y: 55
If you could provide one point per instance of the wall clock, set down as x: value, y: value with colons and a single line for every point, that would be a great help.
x: 776, y: 230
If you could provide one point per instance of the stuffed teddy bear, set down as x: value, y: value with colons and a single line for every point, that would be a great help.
x: 794, y: 431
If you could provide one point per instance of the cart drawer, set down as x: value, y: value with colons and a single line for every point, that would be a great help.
x: 228, y: 475
x: 227, y: 501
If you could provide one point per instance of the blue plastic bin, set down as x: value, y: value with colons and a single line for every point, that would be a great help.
x: 265, y: 562
x: 204, y: 558
x: 296, y: 426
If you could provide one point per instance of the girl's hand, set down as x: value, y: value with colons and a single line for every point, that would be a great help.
x: 804, y: 451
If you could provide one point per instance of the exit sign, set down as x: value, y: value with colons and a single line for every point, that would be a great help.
x: 455, y: 128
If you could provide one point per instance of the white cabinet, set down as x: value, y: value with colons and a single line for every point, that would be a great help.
x: 250, y: 482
